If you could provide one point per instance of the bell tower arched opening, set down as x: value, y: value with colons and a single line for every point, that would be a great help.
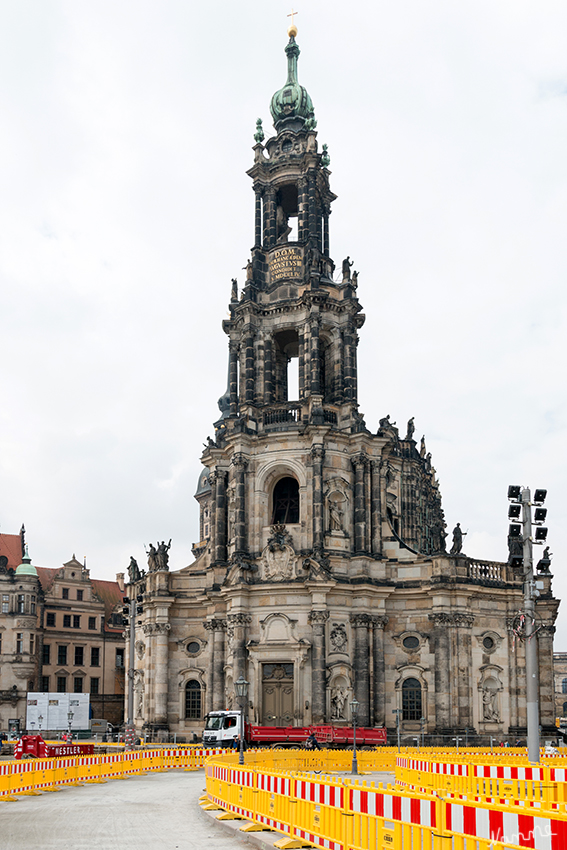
x: 285, y: 502
x: 286, y: 362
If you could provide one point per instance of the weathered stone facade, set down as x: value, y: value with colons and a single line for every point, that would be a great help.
x: 322, y: 571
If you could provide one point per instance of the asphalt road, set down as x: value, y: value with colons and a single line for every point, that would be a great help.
x: 158, y: 811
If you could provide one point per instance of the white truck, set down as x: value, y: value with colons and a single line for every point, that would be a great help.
x: 221, y: 728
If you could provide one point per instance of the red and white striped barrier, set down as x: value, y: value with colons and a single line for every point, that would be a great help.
x: 510, y: 827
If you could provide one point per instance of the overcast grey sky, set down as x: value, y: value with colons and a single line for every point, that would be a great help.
x: 125, y: 210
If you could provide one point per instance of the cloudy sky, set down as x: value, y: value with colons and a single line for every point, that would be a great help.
x: 126, y: 130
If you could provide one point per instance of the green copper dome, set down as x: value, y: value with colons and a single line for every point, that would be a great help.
x: 291, y: 106
x: 26, y: 568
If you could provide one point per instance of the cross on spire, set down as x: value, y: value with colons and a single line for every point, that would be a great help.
x: 291, y: 14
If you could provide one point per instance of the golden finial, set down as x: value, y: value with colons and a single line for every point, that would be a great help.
x: 292, y: 31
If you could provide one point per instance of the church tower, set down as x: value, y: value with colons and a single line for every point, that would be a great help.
x: 321, y: 573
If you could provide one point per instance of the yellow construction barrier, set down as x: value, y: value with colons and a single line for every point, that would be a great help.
x: 339, y: 814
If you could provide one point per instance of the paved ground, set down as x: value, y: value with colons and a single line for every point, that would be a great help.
x: 154, y: 812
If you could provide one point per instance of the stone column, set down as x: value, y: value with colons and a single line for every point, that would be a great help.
x: 303, y: 210
x: 301, y: 352
x: 215, y: 673
x: 318, y: 619
x: 360, y: 463
x: 268, y: 371
x: 233, y: 376
x: 250, y: 383
x: 317, y: 457
x: 546, y: 678
x: 239, y: 623
x: 375, y: 508
x: 315, y: 356
x: 463, y: 653
x: 312, y: 207
x: 340, y: 374
x: 379, y: 623
x: 270, y: 218
x: 361, y: 662
x: 258, y: 217
x: 239, y: 462
x: 326, y: 246
x: 348, y: 357
x: 220, y: 477
x: 442, y: 651
x: 161, y: 632
x: 208, y: 626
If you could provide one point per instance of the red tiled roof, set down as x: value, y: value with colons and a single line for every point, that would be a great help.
x: 11, y: 548
x: 46, y: 577
x: 110, y: 594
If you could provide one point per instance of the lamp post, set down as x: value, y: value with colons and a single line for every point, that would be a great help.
x: 70, y: 716
x: 40, y: 721
x: 457, y: 739
x: 422, y: 721
x: 354, y: 706
x: 241, y: 688
x: 397, y: 712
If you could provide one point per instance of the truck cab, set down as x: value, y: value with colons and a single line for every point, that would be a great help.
x: 221, y: 728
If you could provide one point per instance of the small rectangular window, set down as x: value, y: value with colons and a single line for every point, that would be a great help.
x: 62, y: 655
x: 66, y: 621
x: 78, y: 685
x: 95, y: 682
x: 76, y: 621
x: 61, y: 684
x: 19, y: 643
x: 65, y: 593
x: 50, y: 619
x: 120, y: 658
x: 46, y: 657
x: 32, y: 608
x: 79, y: 656
x: 5, y: 603
x: 44, y: 684
x: 95, y: 656
x: 32, y: 644
x: 92, y: 622
x: 80, y: 595
x: 21, y: 604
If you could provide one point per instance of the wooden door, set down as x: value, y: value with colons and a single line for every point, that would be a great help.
x: 277, y: 694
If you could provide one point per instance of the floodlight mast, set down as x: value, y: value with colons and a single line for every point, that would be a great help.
x: 532, y: 672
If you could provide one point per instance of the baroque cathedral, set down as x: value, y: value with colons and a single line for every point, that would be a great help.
x: 322, y: 572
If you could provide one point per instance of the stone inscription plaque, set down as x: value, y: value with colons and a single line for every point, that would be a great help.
x: 286, y: 262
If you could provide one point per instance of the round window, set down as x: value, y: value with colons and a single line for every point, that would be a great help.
x: 287, y: 146
x: 193, y: 647
x: 488, y: 643
x: 411, y: 642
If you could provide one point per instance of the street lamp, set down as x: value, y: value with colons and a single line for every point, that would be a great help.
x: 457, y: 739
x: 397, y: 712
x: 40, y: 721
x: 241, y: 688
x: 70, y: 716
x: 521, y: 557
x: 354, y: 706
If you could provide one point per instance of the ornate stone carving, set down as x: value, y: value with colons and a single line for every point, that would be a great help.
x: 140, y: 648
x: 278, y: 558
x: 214, y: 625
x: 441, y: 620
x: 318, y: 617
x: 156, y: 628
x: 139, y: 693
x: 26, y: 624
x: 463, y: 621
x: 339, y: 639
x: 236, y: 620
x: 240, y: 461
x: 380, y: 621
x: 317, y: 453
x: 361, y: 620
x: 458, y: 620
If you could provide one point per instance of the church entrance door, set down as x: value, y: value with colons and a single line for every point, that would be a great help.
x: 277, y: 694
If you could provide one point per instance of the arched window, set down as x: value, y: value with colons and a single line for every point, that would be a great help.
x: 411, y: 700
x: 193, y: 700
x: 286, y: 501
x: 564, y: 686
